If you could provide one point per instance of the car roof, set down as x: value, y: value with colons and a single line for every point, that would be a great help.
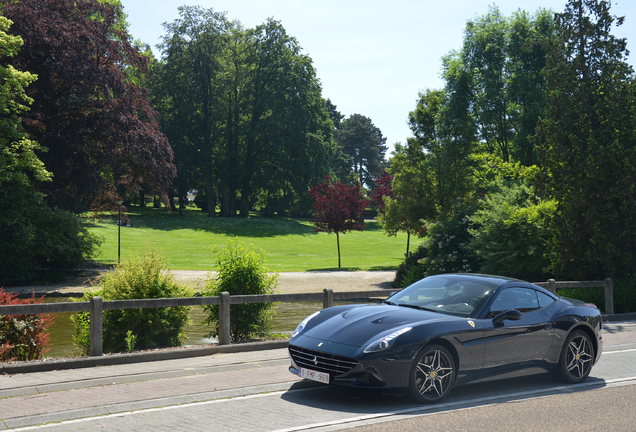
x: 492, y: 279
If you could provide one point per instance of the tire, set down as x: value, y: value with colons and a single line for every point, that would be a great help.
x: 432, y: 374
x: 577, y: 357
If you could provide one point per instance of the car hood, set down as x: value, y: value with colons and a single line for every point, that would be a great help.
x: 362, y: 324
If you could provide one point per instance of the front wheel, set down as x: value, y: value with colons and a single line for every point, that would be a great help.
x: 577, y: 357
x: 432, y: 374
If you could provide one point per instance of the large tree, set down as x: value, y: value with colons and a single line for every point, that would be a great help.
x: 244, y: 109
x: 503, y: 60
x: 32, y: 235
x: 588, y: 144
x: 100, y: 133
x: 363, y: 142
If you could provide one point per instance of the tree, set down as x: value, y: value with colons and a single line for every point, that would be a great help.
x: 32, y: 235
x: 98, y: 129
x: 587, y: 144
x: 382, y: 189
x: 363, y: 142
x: 243, y: 107
x: 337, y: 208
x: 504, y: 59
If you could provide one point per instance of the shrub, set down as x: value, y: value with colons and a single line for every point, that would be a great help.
x: 23, y: 337
x: 510, y: 232
x: 241, y: 272
x: 136, y: 329
x: 410, y: 270
x: 41, y: 238
x: 624, y: 295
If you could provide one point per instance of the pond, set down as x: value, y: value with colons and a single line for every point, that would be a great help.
x: 288, y: 315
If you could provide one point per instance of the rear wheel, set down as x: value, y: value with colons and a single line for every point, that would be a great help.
x: 577, y: 357
x: 432, y: 374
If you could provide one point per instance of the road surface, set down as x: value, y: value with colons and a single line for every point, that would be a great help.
x: 254, y: 392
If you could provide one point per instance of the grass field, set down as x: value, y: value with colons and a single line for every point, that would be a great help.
x: 187, y: 241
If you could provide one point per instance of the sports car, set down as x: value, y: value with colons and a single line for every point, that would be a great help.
x: 445, y: 330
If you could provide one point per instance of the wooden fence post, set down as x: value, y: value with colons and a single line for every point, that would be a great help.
x: 327, y: 299
x: 609, y: 295
x: 552, y: 285
x: 224, y: 318
x: 96, y: 325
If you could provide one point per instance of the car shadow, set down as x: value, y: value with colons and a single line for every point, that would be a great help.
x: 367, y: 401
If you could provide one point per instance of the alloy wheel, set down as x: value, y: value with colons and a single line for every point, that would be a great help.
x: 434, y: 374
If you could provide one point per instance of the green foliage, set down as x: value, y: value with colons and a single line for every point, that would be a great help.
x: 240, y: 271
x: 244, y: 112
x: 22, y: 337
x: 40, y: 237
x: 510, y: 232
x: 363, y: 142
x: 587, y: 145
x: 410, y: 269
x: 124, y: 330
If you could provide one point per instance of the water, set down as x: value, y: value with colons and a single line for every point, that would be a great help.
x: 288, y: 315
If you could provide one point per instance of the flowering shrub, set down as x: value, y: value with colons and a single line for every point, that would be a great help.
x: 23, y: 337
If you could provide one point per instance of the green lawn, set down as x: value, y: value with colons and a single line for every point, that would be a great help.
x: 187, y: 242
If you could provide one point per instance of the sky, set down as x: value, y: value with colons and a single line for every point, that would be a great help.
x: 372, y: 57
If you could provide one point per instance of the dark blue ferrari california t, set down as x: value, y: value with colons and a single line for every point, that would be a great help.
x: 448, y: 329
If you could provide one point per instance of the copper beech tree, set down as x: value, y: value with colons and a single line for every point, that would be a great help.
x: 337, y: 208
x: 98, y: 131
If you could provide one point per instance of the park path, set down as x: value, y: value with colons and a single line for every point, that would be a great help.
x: 288, y: 282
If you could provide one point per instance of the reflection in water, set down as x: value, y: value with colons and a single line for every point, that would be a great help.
x: 288, y: 315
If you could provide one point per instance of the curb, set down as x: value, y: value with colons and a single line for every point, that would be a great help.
x: 137, y: 357
x: 630, y: 316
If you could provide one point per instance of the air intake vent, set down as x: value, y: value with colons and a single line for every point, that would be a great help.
x: 329, y: 363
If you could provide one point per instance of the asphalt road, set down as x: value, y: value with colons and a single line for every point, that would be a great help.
x: 254, y: 392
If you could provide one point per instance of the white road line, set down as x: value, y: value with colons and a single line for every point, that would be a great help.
x: 423, y: 410
x: 618, y: 351
x: 144, y: 411
x: 458, y: 405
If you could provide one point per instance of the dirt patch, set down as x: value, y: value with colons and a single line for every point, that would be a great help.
x: 288, y: 282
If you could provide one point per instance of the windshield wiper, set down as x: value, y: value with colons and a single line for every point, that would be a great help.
x: 390, y: 303
x: 412, y: 306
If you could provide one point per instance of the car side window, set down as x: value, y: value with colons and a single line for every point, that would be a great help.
x: 544, y: 299
x: 521, y: 299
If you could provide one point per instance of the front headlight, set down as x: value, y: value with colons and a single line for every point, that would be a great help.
x: 302, y: 325
x: 385, y: 342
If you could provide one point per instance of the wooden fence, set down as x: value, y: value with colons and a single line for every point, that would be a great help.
x: 97, y: 305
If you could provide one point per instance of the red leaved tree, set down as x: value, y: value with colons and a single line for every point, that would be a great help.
x: 382, y: 188
x: 24, y: 336
x: 337, y: 208
x: 89, y: 110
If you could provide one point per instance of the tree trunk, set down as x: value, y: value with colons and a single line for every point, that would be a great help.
x: 338, y: 242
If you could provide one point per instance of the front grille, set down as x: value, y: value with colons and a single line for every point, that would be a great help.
x: 329, y: 363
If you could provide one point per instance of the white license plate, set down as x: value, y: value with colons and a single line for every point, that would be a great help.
x: 314, y: 375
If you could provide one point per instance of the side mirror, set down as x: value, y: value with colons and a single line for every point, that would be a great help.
x: 512, y: 314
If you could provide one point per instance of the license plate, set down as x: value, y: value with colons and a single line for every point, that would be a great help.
x: 314, y: 375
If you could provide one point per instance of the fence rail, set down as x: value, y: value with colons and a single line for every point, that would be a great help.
x: 96, y: 306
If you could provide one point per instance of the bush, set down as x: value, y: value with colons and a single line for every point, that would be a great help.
x: 41, y: 238
x: 510, y: 232
x: 136, y: 329
x: 23, y: 337
x: 624, y: 295
x: 410, y: 270
x: 241, y: 272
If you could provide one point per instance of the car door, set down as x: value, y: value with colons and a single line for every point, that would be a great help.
x: 516, y: 341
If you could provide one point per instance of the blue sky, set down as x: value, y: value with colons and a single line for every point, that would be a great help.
x: 371, y: 56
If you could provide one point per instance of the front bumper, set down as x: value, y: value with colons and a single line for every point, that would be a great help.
x: 377, y: 370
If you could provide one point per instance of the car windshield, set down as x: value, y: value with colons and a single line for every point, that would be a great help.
x: 451, y: 294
